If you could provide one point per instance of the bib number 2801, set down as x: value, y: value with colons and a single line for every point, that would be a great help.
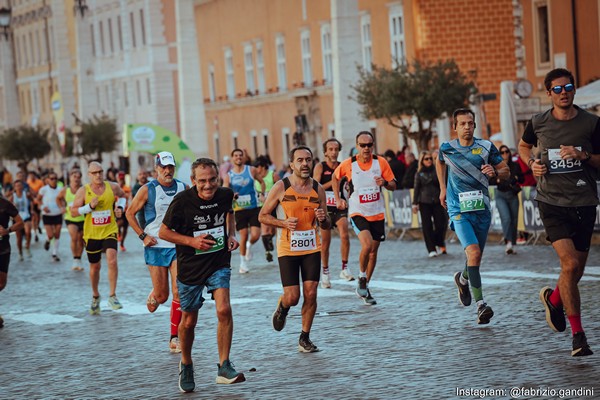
x: 303, y: 240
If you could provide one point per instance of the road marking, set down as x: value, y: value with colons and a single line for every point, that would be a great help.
x: 534, y: 275
x: 450, y: 279
x: 44, y: 318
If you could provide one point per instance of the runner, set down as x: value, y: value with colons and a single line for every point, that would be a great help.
x: 467, y: 163
x: 200, y: 222
x: 300, y: 203
x: 65, y: 200
x: 241, y: 179
x: 122, y: 223
x: 367, y: 174
x: 339, y: 218
x: 153, y: 200
x: 269, y: 177
x: 21, y: 200
x: 569, y: 140
x: 96, y: 201
x: 52, y: 213
x: 34, y: 183
x: 7, y: 212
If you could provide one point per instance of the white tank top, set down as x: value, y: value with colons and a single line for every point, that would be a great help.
x: 366, y: 198
x: 156, y: 207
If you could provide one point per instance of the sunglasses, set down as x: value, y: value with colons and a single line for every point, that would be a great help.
x: 427, y: 159
x: 363, y: 145
x: 96, y: 172
x: 52, y: 179
x: 505, y: 152
x: 569, y: 87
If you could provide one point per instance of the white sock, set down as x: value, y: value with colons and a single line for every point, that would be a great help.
x: 462, y: 280
x: 362, y: 274
x: 243, y: 262
x: 55, y: 246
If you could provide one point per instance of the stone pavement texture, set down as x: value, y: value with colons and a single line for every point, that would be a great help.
x: 417, y: 343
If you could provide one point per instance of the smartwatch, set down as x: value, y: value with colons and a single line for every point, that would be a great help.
x: 143, y: 235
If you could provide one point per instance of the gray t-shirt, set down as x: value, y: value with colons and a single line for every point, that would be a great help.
x: 568, y: 183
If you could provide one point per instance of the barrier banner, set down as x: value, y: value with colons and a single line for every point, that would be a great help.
x: 399, y: 209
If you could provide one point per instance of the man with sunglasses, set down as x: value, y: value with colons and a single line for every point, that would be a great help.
x: 568, y: 141
x: 96, y: 201
x: 366, y: 174
x: 463, y: 167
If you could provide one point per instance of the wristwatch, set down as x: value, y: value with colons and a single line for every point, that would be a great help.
x: 587, y: 156
x: 143, y: 235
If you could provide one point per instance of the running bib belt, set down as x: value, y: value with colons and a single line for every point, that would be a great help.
x: 218, y: 234
x: 471, y: 201
x: 560, y: 166
x: 101, y: 217
x: 303, y: 240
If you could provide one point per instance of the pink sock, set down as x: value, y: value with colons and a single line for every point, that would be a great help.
x: 555, y: 299
x: 175, y: 317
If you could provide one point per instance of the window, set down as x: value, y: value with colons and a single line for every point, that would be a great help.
x: 31, y: 54
x: 18, y: 51
x: 120, y: 32
x: 43, y: 98
x: 110, y: 36
x: 211, y: 83
x: 93, y: 40
x: 229, y: 74
x: 281, y: 70
x: 265, y: 135
x: 25, y: 53
x: 101, y: 33
x: 306, y: 58
x: 143, y: 27
x: 397, y: 35
x: 249, y: 68
x: 327, y: 55
x: 254, y: 143
x: 125, y: 94
x: 138, y: 90
x: 132, y: 21
x: 367, y: 45
x: 217, y: 146
x: 35, y: 110
x: 260, y: 67
x: 285, y: 135
x: 38, y: 44
x: 148, y: 91
x: 234, y: 139
x: 107, y: 97
x: 542, y: 34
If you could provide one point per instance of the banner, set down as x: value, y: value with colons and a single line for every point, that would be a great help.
x: 153, y: 139
x: 399, y: 209
x: 59, y: 119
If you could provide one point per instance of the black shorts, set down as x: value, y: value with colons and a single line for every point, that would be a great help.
x: 336, y: 214
x: 52, y: 219
x: 94, y: 247
x: 291, y: 266
x: 575, y: 223
x: 377, y: 228
x: 79, y: 224
x: 245, y: 218
x: 4, y: 261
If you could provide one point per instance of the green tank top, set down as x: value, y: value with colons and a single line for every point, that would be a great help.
x: 70, y: 198
x: 268, y: 179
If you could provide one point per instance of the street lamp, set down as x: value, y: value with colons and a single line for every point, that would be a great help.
x: 5, y: 18
x: 76, y: 130
x: 81, y: 6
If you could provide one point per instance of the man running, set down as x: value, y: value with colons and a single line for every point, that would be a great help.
x: 153, y: 200
x: 8, y: 211
x: 52, y: 213
x: 20, y: 198
x: 569, y: 141
x: 65, y: 200
x: 122, y: 223
x: 241, y: 179
x: 367, y: 174
x: 339, y: 218
x: 468, y: 162
x: 200, y: 222
x: 300, y: 203
x: 267, y: 232
x: 96, y: 201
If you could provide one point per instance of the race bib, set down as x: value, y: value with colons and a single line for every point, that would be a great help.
x: 100, y: 218
x: 303, y: 240
x: 218, y: 233
x: 330, y: 199
x: 368, y: 194
x: 471, y: 201
x: 244, y: 200
x: 560, y: 166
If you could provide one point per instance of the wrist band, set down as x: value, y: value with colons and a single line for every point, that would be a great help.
x: 86, y: 209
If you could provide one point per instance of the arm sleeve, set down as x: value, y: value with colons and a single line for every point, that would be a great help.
x: 529, y: 136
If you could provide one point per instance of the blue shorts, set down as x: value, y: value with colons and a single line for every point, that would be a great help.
x: 471, y: 228
x: 190, y: 296
x: 160, y: 256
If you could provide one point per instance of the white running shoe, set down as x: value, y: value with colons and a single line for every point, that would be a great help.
x: 248, y: 251
x: 244, y: 269
x: 509, y: 248
x: 325, y: 282
x: 432, y: 254
x: 174, y: 346
x: 346, y: 274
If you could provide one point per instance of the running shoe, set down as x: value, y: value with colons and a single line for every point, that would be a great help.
x: 248, y: 251
x: 280, y: 315
x: 123, y: 249
x: 442, y: 250
x: 77, y: 268
x: 361, y: 289
x: 432, y: 254
x: 325, y: 282
x: 28, y: 253
x: 464, y: 294
x: 554, y: 317
x: 580, y: 346
x: 269, y: 256
x: 484, y: 314
x: 47, y: 245
x: 174, y: 346
x: 306, y: 346
x: 369, y: 300
x: 114, y: 303
x: 186, y: 377
x: 227, y: 373
x: 509, y: 248
x: 151, y: 302
x: 21, y: 258
x: 244, y: 269
x: 1, y: 322
x: 346, y: 274
x: 55, y: 258
x: 95, y: 307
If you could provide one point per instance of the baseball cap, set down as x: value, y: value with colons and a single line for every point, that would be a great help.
x: 164, y: 158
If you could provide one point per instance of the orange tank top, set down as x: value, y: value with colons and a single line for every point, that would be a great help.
x: 306, y: 238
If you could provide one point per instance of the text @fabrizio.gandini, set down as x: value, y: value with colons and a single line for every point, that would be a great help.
x: 518, y: 392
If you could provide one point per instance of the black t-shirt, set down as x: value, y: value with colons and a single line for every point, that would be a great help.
x: 189, y: 215
x: 7, y: 211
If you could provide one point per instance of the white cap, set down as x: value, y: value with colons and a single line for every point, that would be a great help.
x: 164, y: 158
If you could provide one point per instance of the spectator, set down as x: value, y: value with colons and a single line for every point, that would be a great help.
x: 408, y: 182
x: 398, y: 168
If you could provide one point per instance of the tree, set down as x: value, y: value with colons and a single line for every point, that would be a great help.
x: 424, y: 91
x: 25, y: 144
x: 99, y: 135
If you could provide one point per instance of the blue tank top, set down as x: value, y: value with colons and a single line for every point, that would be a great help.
x: 243, y: 185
